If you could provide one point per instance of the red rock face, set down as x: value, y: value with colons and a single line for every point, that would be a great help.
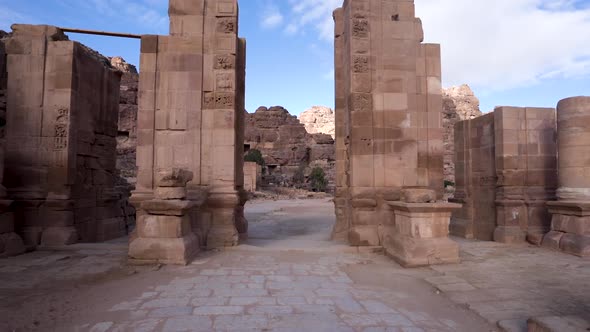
x: 127, y: 131
x: 286, y: 145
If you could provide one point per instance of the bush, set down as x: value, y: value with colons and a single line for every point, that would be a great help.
x: 318, y: 179
x: 299, y: 176
x: 254, y: 156
x: 449, y: 183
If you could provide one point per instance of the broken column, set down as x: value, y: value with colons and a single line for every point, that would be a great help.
x: 62, y: 113
x: 190, y: 94
x: 164, y: 233
x: 570, y: 225
x: 420, y: 234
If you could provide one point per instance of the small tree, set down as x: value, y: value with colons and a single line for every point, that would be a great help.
x: 318, y: 179
x: 254, y: 156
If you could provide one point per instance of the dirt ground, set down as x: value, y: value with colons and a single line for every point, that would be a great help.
x: 288, y: 276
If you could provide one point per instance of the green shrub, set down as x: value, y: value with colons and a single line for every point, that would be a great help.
x: 299, y: 176
x: 449, y: 183
x: 318, y: 179
x: 254, y: 156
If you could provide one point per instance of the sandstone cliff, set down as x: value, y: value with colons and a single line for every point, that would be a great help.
x: 319, y: 120
x: 286, y: 146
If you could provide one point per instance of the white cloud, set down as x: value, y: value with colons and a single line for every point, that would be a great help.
x: 271, y: 16
x: 313, y: 13
x: 510, y: 43
x: 146, y: 14
x: 491, y: 45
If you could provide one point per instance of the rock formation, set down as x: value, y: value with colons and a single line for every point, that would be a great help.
x: 127, y: 132
x: 319, y: 120
x: 122, y: 65
x: 459, y: 103
x: 286, y: 146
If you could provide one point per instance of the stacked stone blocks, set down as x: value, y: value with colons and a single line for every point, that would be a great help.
x: 164, y: 231
x: 61, y: 126
x: 190, y: 91
x: 506, y: 171
x: 388, y: 124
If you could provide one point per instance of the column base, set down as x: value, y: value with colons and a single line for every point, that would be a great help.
x: 509, y: 234
x: 59, y: 236
x: 178, y: 251
x: 11, y: 245
x: 223, y: 231
x: 511, y: 218
x: 364, y: 236
x: 570, y: 228
x: 419, y: 236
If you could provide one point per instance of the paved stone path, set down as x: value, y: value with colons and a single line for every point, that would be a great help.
x: 296, y: 281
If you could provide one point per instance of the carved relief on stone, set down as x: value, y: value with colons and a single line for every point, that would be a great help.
x: 360, y: 27
x: 224, y: 100
x: 360, y: 64
x: 226, y: 25
x: 61, y: 129
x: 224, y: 81
x: 224, y: 62
x: 361, y: 102
x: 209, y: 100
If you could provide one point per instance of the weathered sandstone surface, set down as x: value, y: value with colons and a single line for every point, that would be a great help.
x: 319, y: 120
x: 286, y: 146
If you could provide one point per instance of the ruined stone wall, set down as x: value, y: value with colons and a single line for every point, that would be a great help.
x: 252, y: 174
x: 459, y: 103
x: 526, y: 166
x: 506, y: 172
x: 3, y: 81
x: 392, y: 91
x: 61, y: 145
x: 475, y: 169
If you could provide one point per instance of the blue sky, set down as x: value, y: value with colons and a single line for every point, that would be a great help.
x: 511, y: 52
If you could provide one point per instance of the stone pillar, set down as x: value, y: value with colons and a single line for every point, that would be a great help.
x: 10, y: 243
x: 388, y: 87
x: 191, y: 97
x: 420, y: 236
x: 342, y: 130
x: 61, y: 139
x: 570, y: 225
x: 164, y: 233
x: 223, y: 121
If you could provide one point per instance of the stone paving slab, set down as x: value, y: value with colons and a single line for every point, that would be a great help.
x: 258, y: 287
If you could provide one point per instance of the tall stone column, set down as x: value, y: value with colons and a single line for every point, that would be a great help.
x: 570, y: 225
x: 342, y: 124
x: 388, y: 115
x: 191, y: 101
x: 10, y: 243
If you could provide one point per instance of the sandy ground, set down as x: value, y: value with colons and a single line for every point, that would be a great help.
x: 288, y: 276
